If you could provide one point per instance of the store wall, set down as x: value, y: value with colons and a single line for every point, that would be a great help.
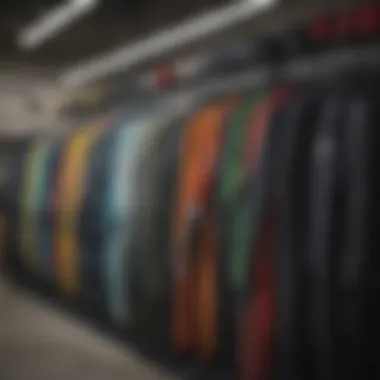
x: 29, y: 106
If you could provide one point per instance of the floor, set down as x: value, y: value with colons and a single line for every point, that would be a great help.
x: 40, y: 342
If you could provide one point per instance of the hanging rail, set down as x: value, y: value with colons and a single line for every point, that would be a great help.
x: 315, y: 66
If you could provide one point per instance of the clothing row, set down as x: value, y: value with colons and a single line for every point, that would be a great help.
x: 240, y: 233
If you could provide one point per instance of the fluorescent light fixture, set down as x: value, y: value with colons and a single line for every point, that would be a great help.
x: 54, y: 22
x: 165, y: 41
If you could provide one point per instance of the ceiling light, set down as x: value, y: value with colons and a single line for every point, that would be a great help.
x: 53, y: 22
x: 165, y: 41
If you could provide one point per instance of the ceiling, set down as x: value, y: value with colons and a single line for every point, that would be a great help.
x: 115, y: 23
x: 112, y: 23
